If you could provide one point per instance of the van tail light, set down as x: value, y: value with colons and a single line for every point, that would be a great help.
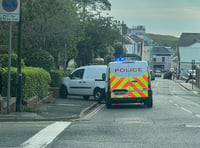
x: 108, y: 78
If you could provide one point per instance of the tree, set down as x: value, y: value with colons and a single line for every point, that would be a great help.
x: 39, y: 58
x: 50, y: 28
x: 120, y: 51
x: 99, y: 34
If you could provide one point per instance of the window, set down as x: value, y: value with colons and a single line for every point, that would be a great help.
x: 163, y: 59
x: 78, y: 74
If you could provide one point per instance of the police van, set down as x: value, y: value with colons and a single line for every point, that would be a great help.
x: 128, y: 82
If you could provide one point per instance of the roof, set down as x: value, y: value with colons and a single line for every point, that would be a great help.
x: 136, y: 38
x: 128, y: 40
x: 188, y: 39
x: 160, y: 50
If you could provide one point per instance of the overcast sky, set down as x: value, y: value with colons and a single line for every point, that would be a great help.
x: 168, y: 17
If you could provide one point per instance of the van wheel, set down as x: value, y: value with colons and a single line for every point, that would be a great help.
x: 98, y: 95
x: 86, y: 97
x: 63, y: 91
x: 108, y: 104
x: 149, y: 102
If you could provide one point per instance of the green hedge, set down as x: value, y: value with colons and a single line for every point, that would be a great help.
x: 34, y: 82
x: 56, y: 76
x: 4, y: 60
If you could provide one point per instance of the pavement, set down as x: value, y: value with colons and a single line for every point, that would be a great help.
x: 68, y: 109
x: 190, y: 86
x: 61, y: 109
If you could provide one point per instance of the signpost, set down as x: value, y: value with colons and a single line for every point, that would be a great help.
x: 193, y: 64
x: 9, y: 12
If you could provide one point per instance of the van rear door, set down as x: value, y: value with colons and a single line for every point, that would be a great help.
x: 128, y: 79
x: 138, y: 79
x: 119, y: 81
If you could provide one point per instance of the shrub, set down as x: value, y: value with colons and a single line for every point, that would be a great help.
x: 56, y: 76
x: 4, y: 60
x: 34, y: 82
x: 39, y: 58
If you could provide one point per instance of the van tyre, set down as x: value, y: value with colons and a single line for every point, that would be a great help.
x: 108, y: 104
x: 149, y: 102
x: 63, y: 91
x: 98, y: 95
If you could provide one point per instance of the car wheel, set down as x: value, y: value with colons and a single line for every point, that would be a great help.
x: 86, y: 97
x: 98, y: 95
x: 63, y: 91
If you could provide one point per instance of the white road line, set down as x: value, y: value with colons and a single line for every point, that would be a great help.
x: 176, y: 105
x: 46, y: 135
x: 198, y: 126
x: 186, y: 110
x: 157, y: 84
x: 197, y: 115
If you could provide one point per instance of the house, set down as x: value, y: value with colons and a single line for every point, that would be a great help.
x: 161, y: 58
x: 188, y: 49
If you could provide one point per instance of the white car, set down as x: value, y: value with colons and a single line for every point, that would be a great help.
x: 158, y: 73
x: 85, y: 81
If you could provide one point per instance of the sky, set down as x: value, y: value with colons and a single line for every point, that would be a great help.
x: 166, y: 17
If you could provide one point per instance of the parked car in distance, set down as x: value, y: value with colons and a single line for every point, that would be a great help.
x: 158, y: 73
x: 168, y: 75
x: 85, y: 81
x: 152, y: 74
x: 193, y: 72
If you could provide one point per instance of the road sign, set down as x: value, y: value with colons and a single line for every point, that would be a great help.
x: 193, y: 62
x: 9, y: 10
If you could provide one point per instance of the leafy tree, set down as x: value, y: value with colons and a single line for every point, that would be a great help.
x: 39, y: 58
x: 99, y: 34
x: 120, y: 51
x: 50, y: 28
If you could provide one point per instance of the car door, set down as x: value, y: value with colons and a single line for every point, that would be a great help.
x: 76, y: 82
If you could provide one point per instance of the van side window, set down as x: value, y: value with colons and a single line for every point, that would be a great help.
x: 78, y: 74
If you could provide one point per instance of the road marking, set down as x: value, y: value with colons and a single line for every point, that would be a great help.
x: 46, y: 135
x: 197, y: 115
x: 186, y: 110
x: 157, y: 84
x: 176, y: 104
x: 192, y: 125
x: 92, y: 113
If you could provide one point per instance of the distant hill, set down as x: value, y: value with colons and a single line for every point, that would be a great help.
x: 164, y: 40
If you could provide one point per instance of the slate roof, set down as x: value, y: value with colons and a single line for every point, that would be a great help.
x: 188, y: 39
x: 160, y: 50
x: 136, y: 38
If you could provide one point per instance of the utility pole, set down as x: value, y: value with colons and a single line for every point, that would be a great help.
x: 19, y: 73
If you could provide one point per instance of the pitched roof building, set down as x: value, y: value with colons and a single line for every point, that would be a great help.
x: 188, y: 50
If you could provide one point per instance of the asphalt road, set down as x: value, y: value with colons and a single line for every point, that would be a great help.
x: 174, y: 121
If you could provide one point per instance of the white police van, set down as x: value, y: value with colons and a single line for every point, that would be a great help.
x: 85, y: 81
x: 128, y: 82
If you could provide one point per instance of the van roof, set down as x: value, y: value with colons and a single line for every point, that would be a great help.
x: 93, y: 66
x: 129, y: 62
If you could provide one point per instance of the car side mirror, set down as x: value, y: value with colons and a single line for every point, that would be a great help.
x: 103, y: 76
